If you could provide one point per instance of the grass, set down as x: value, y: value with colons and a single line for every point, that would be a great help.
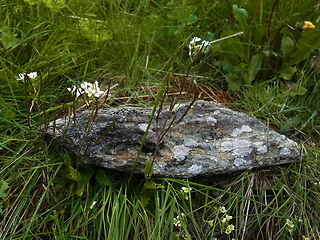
x: 45, y: 194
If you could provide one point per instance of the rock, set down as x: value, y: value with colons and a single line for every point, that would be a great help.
x: 210, y: 139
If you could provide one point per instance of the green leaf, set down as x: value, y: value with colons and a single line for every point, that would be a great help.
x: 150, y: 185
x: 208, y: 36
x: 254, y: 66
x: 3, y: 187
x: 240, y: 14
x: 80, y: 189
x: 102, y: 178
x: 287, y: 47
x: 232, y: 48
x: 309, y: 41
x: 288, y: 73
x: 74, y: 174
x: 192, y: 19
x: 145, y: 197
x: 148, y: 171
x: 291, y: 122
x: 296, y: 90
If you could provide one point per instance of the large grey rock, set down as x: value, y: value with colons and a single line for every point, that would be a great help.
x: 210, y: 139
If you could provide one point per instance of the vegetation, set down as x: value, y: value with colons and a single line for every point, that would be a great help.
x: 263, y: 59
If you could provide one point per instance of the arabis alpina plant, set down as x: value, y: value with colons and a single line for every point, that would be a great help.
x: 197, y: 44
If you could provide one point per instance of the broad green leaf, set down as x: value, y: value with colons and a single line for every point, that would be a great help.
x: 241, y: 15
x: 208, y: 36
x: 296, y: 90
x: 150, y: 185
x: 288, y: 73
x: 307, y: 43
x: 145, y: 197
x: 74, y: 174
x: 232, y: 48
x: 287, y: 47
x: 254, y: 66
x: 291, y: 122
x: 148, y: 171
x: 192, y: 19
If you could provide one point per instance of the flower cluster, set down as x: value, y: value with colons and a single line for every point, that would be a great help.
x: 88, y: 88
x: 185, y: 191
x: 31, y: 75
x: 290, y: 225
x: 197, y: 44
x: 177, y: 223
x: 226, y: 227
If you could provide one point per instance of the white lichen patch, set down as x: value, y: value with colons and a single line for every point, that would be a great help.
x: 240, y: 162
x: 261, y: 147
x: 195, y: 169
x: 180, y: 152
x: 237, y: 147
x: 238, y: 131
x: 280, y: 138
x: 285, y: 151
x: 211, y: 120
x: 143, y: 127
x: 216, y: 112
x: 189, y: 142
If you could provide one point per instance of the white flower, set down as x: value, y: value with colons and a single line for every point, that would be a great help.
x: 77, y: 91
x: 21, y: 76
x: 289, y: 223
x: 92, y: 89
x: 31, y: 75
x: 186, y: 189
x: 177, y: 221
x: 85, y: 85
x: 98, y: 92
x: 228, y: 217
x: 204, y: 45
x: 229, y: 229
x: 222, y: 209
x: 194, y: 40
x: 93, y: 204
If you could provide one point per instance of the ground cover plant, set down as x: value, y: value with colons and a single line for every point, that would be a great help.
x: 260, y: 57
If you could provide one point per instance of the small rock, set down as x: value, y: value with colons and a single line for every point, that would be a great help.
x: 210, y: 139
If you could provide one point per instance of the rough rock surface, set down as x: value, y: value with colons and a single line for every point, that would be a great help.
x: 210, y: 139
